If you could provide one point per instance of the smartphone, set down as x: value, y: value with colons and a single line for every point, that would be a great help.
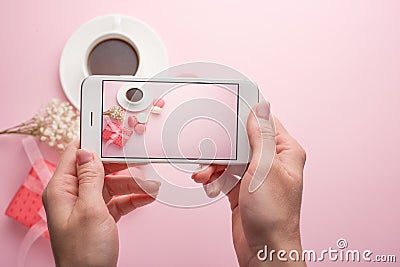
x: 181, y: 120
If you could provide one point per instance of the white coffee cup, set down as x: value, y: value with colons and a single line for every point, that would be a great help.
x: 130, y: 45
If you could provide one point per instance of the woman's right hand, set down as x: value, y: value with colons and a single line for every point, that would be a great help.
x: 269, y: 216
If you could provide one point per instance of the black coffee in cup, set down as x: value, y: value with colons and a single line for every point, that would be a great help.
x: 113, y: 57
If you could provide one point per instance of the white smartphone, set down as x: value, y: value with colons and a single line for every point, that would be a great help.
x: 181, y: 120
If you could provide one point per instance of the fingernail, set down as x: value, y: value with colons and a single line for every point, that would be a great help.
x: 150, y: 186
x: 83, y: 156
x: 263, y: 110
x: 198, y: 169
x: 212, y: 189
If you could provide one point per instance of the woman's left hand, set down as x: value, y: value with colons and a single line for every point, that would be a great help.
x: 83, y: 206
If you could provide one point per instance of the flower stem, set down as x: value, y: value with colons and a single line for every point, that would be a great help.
x: 25, y: 127
x: 12, y: 132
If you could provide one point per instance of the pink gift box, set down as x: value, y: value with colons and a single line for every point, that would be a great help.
x: 116, y: 133
x: 27, y: 202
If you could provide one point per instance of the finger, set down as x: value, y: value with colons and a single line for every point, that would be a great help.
x: 261, y: 133
x: 204, y: 173
x: 61, y: 192
x: 216, y: 179
x: 90, y: 175
x: 67, y: 162
x: 136, y: 172
x: 221, y: 181
x: 114, y: 167
x: 120, y: 206
x: 214, y: 185
x: 124, y: 185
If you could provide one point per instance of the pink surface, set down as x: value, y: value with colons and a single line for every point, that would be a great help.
x: 329, y: 68
x: 194, y: 115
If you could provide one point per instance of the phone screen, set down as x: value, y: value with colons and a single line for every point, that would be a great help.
x: 169, y: 120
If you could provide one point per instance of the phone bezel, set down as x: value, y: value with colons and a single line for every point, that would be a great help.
x: 91, y: 117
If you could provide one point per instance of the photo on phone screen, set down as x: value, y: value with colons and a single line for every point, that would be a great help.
x: 169, y: 120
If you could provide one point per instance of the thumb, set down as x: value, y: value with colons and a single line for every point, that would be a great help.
x: 261, y: 133
x: 90, y: 173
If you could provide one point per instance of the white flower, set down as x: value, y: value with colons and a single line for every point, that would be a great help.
x: 57, y: 124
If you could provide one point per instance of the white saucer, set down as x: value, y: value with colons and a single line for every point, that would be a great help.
x: 151, y: 51
x: 144, y: 103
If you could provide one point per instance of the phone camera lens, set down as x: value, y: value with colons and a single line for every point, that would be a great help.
x: 134, y: 95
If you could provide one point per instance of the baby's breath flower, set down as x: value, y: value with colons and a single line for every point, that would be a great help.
x: 115, y: 112
x: 57, y: 124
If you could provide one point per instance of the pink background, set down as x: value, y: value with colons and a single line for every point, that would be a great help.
x: 329, y: 68
x: 182, y: 101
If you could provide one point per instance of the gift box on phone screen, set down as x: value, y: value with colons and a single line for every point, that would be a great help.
x: 116, y: 134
